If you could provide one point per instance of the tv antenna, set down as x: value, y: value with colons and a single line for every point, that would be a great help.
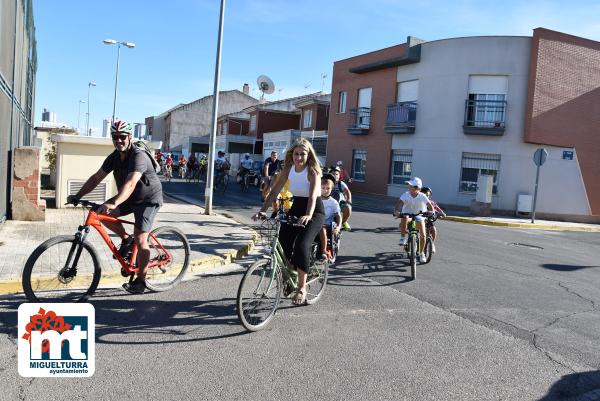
x: 323, y: 76
x: 265, y: 85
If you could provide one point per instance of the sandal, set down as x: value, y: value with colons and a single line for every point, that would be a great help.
x: 299, y: 298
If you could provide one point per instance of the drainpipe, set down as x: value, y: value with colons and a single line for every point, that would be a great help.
x: 9, y: 181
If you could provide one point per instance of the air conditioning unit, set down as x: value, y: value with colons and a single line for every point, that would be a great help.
x: 524, y: 203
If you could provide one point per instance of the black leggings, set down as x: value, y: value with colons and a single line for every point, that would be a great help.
x: 297, y: 241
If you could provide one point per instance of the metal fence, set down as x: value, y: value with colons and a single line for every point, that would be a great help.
x: 18, y: 64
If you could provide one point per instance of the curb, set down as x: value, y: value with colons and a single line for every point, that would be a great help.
x: 202, y: 265
x: 554, y: 227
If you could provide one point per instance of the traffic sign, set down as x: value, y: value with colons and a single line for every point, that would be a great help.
x: 540, y: 156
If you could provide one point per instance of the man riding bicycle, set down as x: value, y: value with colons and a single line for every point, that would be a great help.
x: 140, y: 193
x: 413, y: 201
x: 222, y: 165
x: 271, y: 165
x: 245, y: 166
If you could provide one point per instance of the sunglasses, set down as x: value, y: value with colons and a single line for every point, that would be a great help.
x: 119, y: 137
x: 414, y: 187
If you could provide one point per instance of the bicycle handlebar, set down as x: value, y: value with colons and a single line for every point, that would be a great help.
x: 282, y: 218
x: 412, y: 216
x: 84, y: 203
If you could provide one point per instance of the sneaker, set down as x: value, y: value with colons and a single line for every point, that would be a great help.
x: 345, y: 226
x: 422, y: 258
x: 432, y: 247
x: 403, y: 240
x: 125, y: 246
x: 135, y: 287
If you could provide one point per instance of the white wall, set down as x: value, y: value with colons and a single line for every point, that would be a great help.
x: 439, y: 140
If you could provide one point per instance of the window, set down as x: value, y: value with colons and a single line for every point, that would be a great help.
x: 359, y: 165
x: 476, y: 164
x: 401, y: 166
x: 486, y: 110
x: 342, y: 107
x: 408, y: 91
x: 319, y: 144
x: 487, y: 101
x: 253, y: 122
x: 307, y: 120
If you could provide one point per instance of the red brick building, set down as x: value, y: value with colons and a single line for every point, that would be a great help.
x: 453, y: 110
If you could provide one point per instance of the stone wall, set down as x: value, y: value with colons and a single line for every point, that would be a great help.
x: 26, y: 202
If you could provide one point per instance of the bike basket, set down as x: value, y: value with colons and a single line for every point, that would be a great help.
x: 266, y: 231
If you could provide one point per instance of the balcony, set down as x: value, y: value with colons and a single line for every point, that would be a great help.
x: 401, y: 118
x: 359, y: 121
x: 484, y: 117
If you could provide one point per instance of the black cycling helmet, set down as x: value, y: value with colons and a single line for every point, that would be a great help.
x: 328, y: 176
x: 427, y: 191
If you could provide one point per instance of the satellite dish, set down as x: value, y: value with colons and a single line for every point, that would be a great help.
x: 265, y: 85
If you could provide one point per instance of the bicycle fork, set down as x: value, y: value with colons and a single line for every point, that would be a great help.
x: 69, y: 270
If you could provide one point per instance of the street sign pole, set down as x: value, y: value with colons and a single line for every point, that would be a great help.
x: 539, y: 158
x: 535, y: 191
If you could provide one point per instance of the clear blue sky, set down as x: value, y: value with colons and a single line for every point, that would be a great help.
x: 292, y: 41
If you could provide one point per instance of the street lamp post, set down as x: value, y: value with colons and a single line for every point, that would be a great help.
x: 79, y: 114
x: 208, y: 192
x: 128, y: 45
x: 87, y: 125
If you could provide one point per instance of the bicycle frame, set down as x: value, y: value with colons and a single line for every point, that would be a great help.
x: 94, y: 220
x: 413, y: 230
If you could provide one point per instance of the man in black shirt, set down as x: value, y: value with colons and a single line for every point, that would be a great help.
x: 270, y: 167
x: 140, y: 193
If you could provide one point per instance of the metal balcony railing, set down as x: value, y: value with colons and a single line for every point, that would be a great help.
x: 401, y: 118
x: 485, y: 117
x: 359, y: 121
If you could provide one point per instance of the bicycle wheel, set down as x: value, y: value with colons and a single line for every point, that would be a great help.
x: 428, y: 249
x: 335, y: 246
x: 165, y: 243
x: 412, y: 255
x: 224, y: 182
x: 317, y: 277
x: 61, y: 270
x: 258, y: 295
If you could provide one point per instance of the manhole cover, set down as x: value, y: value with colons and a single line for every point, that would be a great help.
x: 519, y: 244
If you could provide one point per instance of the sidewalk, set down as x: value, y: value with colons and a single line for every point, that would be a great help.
x: 214, y: 240
x: 368, y: 202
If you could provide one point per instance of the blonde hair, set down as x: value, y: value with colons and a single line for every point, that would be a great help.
x: 312, y: 161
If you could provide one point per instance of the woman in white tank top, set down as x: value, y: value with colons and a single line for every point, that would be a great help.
x: 302, y: 168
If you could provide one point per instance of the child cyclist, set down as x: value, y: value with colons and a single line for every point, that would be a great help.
x: 431, y: 230
x: 332, y: 212
x: 413, y: 201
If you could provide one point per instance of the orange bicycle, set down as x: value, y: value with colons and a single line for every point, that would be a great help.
x: 66, y: 268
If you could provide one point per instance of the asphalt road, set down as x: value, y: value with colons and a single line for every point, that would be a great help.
x: 486, y: 319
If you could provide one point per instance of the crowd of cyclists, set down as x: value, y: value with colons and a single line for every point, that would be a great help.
x: 279, y: 181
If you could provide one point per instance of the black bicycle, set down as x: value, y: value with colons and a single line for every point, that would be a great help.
x: 221, y: 181
x: 412, y: 245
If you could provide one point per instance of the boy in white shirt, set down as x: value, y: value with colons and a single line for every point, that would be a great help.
x: 413, y: 201
x: 332, y: 211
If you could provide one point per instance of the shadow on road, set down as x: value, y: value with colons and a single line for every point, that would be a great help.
x: 576, y: 386
x: 348, y: 268
x: 124, y: 319
x: 564, y: 268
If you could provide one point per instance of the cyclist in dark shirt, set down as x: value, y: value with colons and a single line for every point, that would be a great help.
x: 271, y: 165
x: 140, y: 193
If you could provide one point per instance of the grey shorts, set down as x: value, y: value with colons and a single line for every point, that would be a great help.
x: 143, y: 213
